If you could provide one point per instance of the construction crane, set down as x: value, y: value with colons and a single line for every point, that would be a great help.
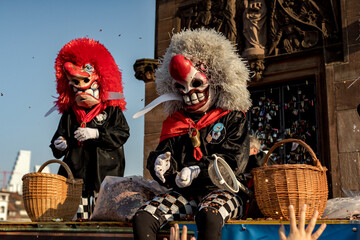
x: 4, y: 176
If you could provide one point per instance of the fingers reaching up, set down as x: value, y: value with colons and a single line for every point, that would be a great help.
x: 175, y: 233
x: 299, y: 232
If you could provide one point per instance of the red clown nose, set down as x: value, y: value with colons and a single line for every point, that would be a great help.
x: 180, y: 67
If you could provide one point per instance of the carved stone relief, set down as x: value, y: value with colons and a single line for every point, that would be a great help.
x: 297, y: 25
x: 254, y: 27
x: 219, y: 15
x: 263, y: 28
x: 257, y: 67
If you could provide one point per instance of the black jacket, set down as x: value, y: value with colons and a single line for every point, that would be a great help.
x: 232, y: 145
x: 96, y: 158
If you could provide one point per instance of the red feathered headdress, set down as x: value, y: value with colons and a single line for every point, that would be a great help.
x: 82, y: 51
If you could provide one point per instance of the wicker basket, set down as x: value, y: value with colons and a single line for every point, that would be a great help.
x: 49, y: 196
x: 278, y: 186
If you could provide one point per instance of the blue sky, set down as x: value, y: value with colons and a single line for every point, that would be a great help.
x: 32, y: 33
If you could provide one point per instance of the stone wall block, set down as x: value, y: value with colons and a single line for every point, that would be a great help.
x: 348, y: 125
x: 350, y: 173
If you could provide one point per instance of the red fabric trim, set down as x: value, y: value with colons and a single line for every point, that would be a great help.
x: 197, y: 153
x: 178, y: 124
x: 82, y: 117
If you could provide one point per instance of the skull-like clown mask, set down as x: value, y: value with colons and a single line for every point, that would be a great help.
x: 192, y: 84
x: 83, y: 81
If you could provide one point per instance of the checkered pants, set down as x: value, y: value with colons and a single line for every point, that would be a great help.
x: 172, y: 206
x: 86, y: 207
x: 169, y: 206
x: 229, y: 205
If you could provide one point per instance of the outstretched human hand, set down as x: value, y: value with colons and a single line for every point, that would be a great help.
x: 300, y: 233
x: 175, y: 233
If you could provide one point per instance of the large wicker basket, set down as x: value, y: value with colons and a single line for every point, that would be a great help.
x: 278, y: 186
x: 50, y: 196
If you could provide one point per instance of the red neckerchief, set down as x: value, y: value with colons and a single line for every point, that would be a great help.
x: 82, y: 117
x: 178, y: 124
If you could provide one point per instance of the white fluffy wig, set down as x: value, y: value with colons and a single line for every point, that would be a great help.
x: 227, y: 72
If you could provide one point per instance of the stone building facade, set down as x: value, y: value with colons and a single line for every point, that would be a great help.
x: 305, y: 62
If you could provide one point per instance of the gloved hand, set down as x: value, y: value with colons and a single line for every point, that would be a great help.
x: 60, y: 143
x: 82, y: 134
x: 162, y: 164
x: 186, y: 176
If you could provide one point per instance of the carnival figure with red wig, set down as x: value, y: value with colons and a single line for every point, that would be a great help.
x: 92, y: 129
x: 207, y: 120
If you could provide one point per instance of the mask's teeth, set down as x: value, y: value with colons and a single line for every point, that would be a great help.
x: 194, y: 99
x: 201, y: 97
x: 187, y: 100
x: 96, y: 94
x: 90, y: 91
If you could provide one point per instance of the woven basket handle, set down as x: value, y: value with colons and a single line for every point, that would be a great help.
x: 302, y: 143
x: 70, y: 175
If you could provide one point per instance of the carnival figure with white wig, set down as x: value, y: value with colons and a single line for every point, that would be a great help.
x: 200, y: 67
x: 93, y: 128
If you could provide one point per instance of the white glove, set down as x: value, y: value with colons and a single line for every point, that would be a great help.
x: 60, y: 143
x: 162, y: 164
x: 186, y: 176
x: 82, y: 134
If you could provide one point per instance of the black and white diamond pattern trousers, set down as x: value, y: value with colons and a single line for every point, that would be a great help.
x: 172, y: 206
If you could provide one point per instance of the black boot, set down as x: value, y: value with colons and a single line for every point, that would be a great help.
x: 145, y: 226
x: 209, y: 223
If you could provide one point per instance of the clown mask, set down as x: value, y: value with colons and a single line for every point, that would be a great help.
x: 83, y: 81
x: 192, y: 84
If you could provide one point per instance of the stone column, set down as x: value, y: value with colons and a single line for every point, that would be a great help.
x: 145, y: 71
